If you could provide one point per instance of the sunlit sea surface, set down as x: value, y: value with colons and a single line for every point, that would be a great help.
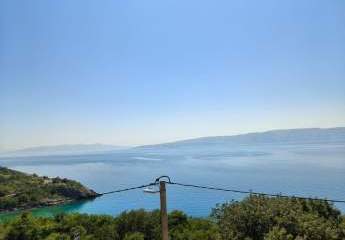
x: 315, y: 170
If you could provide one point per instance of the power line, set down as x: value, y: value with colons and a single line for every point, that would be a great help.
x: 127, y: 189
x: 207, y: 188
x: 255, y: 193
x: 138, y: 187
x: 225, y: 190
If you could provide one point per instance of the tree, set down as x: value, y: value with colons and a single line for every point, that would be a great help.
x: 257, y: 217
x: 278, y: 234
x: 134, y: 236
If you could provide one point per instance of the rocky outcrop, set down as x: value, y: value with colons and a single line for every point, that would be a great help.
x: 23, y: 191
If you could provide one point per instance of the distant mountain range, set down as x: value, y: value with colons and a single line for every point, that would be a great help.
x: 287, y: 136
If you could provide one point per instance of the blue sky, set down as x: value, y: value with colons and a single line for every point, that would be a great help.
x: 142, y: 72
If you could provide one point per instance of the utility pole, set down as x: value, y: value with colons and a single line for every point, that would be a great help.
x: 164, y: 215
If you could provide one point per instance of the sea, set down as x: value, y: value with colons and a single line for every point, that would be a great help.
x: 310, y: 170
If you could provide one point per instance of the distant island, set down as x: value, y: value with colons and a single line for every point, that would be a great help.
x: 272, y: 137
x: 66, y: 149
x: 20, y: 191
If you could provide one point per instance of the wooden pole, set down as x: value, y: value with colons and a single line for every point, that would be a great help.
x: 164, y: 215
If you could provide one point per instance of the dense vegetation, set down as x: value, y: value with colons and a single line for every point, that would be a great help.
x: 254, y: 218
x: 21, y: 191
x: 259, y: 217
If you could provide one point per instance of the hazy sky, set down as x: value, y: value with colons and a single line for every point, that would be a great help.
x: 138, y: 72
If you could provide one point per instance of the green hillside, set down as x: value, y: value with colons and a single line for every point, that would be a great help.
x: 23, y: 191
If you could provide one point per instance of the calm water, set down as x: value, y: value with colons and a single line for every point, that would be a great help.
x: 308, y: 170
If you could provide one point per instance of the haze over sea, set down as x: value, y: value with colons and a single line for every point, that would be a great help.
x: 314, y: 169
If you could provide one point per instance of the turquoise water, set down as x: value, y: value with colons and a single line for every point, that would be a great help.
x: 310, y: 170
x: 46, y: 211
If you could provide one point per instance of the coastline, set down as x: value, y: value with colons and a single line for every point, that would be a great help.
x: 52, y: 204
x: 24, y: 192
x: 46, y: 211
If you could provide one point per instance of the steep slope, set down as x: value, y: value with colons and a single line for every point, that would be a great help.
x: 22, y: 191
